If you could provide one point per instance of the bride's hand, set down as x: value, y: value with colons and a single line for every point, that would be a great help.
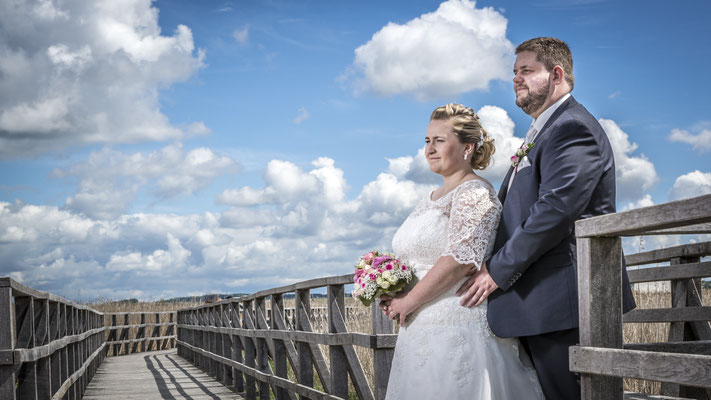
x: 400, y: 307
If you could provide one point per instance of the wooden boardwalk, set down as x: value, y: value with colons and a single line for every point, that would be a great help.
x: 154, y: 375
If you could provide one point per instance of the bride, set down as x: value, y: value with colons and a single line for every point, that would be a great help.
x: 444, y: 350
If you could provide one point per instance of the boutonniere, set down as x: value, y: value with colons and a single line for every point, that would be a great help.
x: 521, y: 153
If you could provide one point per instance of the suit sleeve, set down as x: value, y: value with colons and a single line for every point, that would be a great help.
x: 570, y: 168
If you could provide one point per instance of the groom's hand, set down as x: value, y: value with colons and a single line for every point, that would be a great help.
x: 477, y: 288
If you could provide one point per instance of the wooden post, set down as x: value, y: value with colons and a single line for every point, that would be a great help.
x: 600, y: 306
x: 339, y: 364
x: 237, y: 376
x: 226, y: 344
x: 44, y: 378
x: 215, y: 343
x: 686, y: 293
x: 382, y: 358
x: 25, y: 323
x: 55, y: 358
x: 124, y: 336
x: 302, y: 309
x: 249, y: 350
x: 71, y: 350
x: 280, y: 369
x: 260, y: 311
x: 64, y: 365
x: 7, y: 342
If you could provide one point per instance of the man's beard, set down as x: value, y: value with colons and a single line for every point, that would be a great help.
x: 535, y: 100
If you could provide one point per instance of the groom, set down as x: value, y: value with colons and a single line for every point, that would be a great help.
x: 565, y: 171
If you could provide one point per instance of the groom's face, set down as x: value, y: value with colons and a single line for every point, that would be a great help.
x: 531, y: 83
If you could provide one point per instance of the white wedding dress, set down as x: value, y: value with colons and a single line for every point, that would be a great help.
x: 445, y: 350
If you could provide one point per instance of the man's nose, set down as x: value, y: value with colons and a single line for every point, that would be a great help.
x: 517, y: 78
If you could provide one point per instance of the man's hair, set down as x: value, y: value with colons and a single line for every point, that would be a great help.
x: 551, y: 52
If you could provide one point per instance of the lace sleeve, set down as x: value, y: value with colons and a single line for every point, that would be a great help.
x: 473, y: 219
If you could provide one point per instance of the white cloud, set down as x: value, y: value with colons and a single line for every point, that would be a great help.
x: 110, y: 180
x: 303, y: 116
x: 456, y: 49
x: 240, y: 35
x: 645, y: 201
x: 198, y: 129
x: 701, y: 142
x: 693, y: 184
x: 634, y: 174
x: 500, y: 127
x: 78, y: 72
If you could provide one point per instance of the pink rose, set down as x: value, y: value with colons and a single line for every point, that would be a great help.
x: 379, y: 260
x: 389, y: 266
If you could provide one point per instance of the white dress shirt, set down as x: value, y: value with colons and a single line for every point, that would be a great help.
x: 538, y: 124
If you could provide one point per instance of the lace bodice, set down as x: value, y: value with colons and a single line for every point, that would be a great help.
x: 444, y: 350
x: 461, y: 224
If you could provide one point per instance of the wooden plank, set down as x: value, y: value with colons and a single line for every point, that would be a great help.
x: 382, y: 358
x: 683, y: 230
x: 673, y: 214
x: 7, y: 343
x: 237, y: 347
x: 250, y: 351
x: 154, y: 375
x: 645, y: 396
x: 666, y: 254
x: 685, y: 369
x: 600, y: 307
x: 262, y: 349
x: 34, y: 354
x: 44, y: 377
x: 668, y: 315
x: 337, y: 354
x: 226, y: 345
x: 304, y: 285
x: 280, y: 346
x: 77, y: 375
x: 302, y: 390
x: 680, y: 271
x: 318, y: 360
x: 355, y: 369
x: 302, y: 306
x: 381, y: 341
x: 702, y: 347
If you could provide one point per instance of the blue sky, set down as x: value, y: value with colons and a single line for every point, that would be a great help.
x: 166, y: 148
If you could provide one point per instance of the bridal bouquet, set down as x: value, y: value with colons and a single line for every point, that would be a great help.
x: 377, y: 274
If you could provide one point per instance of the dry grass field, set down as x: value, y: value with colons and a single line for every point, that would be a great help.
x: 358, y: 319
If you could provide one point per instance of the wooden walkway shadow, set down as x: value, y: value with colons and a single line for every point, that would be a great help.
x: 154, y: 375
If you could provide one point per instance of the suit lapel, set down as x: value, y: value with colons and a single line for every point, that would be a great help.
x: 503, y: 190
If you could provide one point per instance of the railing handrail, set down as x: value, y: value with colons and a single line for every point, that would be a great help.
x: 649, y: 220
x: 20, y: 289
x: 61, y: 341
x: 602, y: 359
x: 237, y: 336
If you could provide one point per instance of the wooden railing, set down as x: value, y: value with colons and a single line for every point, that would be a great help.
x: 684, y: 363
x: 238, y: 344
x: 49, y: 347
x: 134, y: 337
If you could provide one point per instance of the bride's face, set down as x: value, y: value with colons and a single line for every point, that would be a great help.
x: 444, y: 151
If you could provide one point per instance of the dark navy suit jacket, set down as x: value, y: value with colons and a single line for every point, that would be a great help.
x: 571, y: 176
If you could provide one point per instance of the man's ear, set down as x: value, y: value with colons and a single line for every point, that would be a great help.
x: 558, y: 74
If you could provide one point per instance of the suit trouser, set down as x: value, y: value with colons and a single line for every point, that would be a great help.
x: 549, y: 354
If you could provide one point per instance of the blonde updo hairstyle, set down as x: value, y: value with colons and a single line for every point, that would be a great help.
x: 466, y: 126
